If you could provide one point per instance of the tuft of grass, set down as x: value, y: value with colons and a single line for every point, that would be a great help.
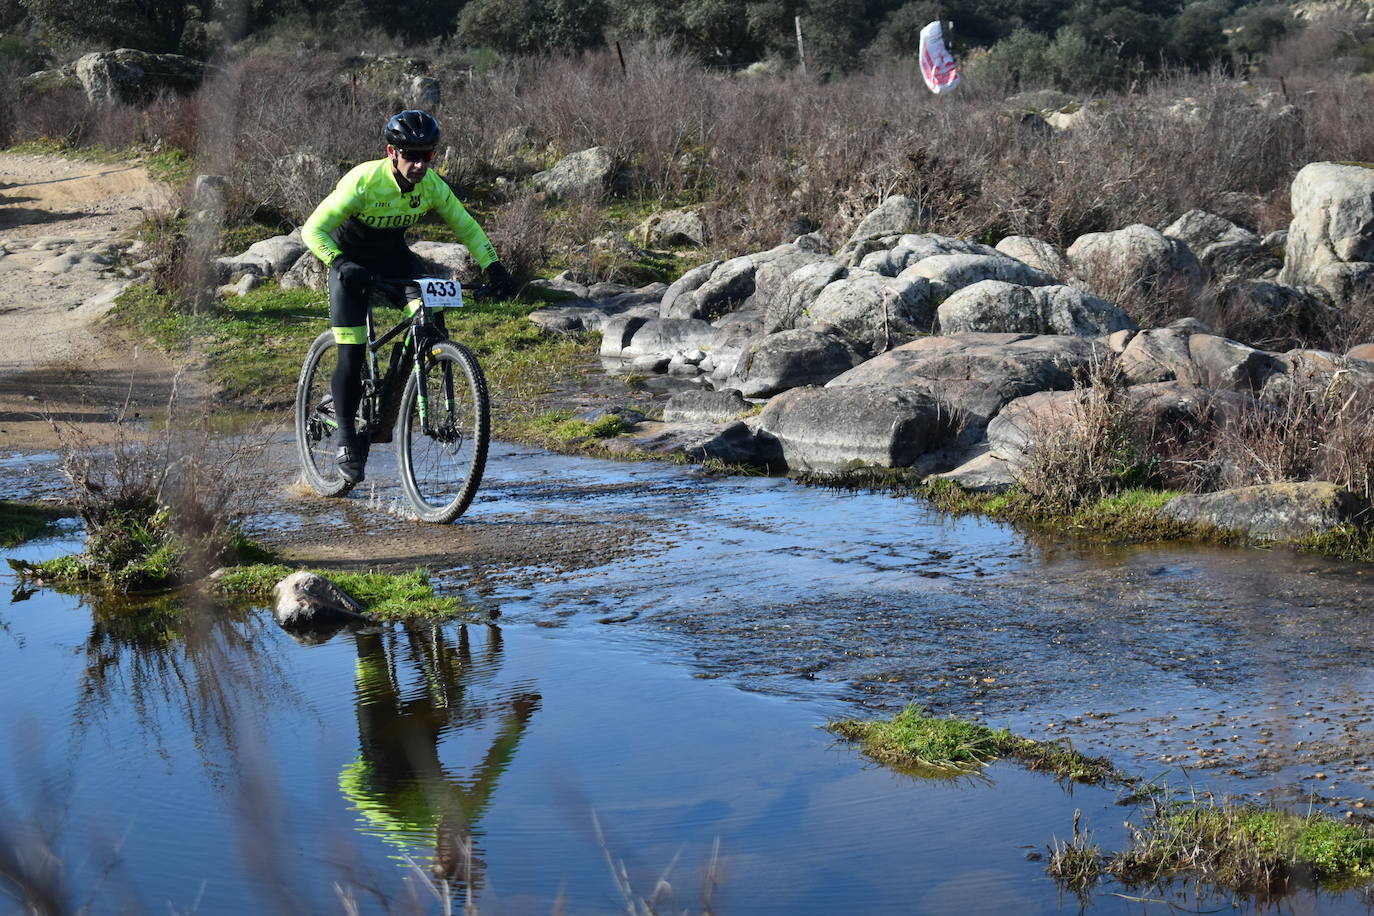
x: 22, y: 521
x: 385, y: 596
x: 915, y: 741
x: 557, y: 429
x: 1077, y: 862
x: 1248, y: 848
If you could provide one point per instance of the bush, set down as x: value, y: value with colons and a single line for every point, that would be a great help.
x: 160, y: 506
x: 1098, y: 451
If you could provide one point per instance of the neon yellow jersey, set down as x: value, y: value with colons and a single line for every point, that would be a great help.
x: 368, y: 212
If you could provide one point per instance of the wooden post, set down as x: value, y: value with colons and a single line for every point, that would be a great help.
x: 622, y: 58
x: 801, y: 50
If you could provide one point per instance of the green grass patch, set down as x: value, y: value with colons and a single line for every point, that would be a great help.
x: 385, y: 596
x: 557, y: 429
x: 1348, y: 542
x: 21, y: 521
x: 915, y: 742
x: 1251, y: 849
x: 254, y: 344
x: 137, y: 549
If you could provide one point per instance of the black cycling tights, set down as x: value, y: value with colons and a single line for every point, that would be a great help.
x: 347, y: 388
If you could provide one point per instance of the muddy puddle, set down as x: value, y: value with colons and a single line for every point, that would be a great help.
x: 668, y: 645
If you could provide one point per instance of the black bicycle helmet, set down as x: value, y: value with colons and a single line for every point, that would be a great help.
x: 412, y: 129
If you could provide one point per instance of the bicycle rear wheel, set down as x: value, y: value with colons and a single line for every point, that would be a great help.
x: 317, y: 427
x: 444, y: 429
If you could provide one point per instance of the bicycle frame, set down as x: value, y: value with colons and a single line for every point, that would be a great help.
x: 382, y: 392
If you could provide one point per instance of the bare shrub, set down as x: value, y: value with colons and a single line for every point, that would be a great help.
x: 522, y: 233
x: 1152, y: 300
x: 1320, y: 428
x: 1098, y: 450
x: 163, y: 505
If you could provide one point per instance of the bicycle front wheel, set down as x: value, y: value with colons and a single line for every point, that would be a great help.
x: 445, y: 427
x: 317, y: 426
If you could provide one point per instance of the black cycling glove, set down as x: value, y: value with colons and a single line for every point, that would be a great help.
x: 502, y: 283
x: 352, y: 274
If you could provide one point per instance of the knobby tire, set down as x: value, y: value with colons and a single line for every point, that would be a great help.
x: 440, y: 470
x: 317, y: 441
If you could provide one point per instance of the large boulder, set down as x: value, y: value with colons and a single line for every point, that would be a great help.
x: 308, y: 272
x: 831, y: 428
x: 1276, y: 511
x: 586, y: 314
x: 879, y: 311
x: 448, y: 259
x: 957, y: 271
x: 731, y: 443
x: 775, y: 266
x: 130, y: 77
x: 617, y: 333
x: 1138, y: 259
x: 893, y: 216
x: 1172, y: 409
x: 587, y: 173
x: 280, y: 252
x: 976, y: 374
x: 790, y: 305
x: 792, y: 359
x: 992, y: 305
x: 1270, y: 314
x: 1036, y: 253
x: 724, y: 406
x: 674, y: 229
x: 726, y: 289
x: 1224, y: 248
x: 1068, y: 310
x: 1228, y: 365
x: 1345, y: 282
x: 687, y: 283
x: 890, y: 254
x: 667, y: 336
x: 1333, y: 220
x: 1157, y: 355
x: 1340, y: 382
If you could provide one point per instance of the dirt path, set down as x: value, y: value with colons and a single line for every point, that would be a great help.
x: 65, y: 227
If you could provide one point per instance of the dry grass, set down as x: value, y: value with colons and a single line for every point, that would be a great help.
x: 1096, y: 450
x: 769, y: 153
x: 161, y: 503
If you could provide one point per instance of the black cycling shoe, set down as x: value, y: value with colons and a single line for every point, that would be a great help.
x: 351, y: 463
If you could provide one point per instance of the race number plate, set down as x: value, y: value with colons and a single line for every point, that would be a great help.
x: 441, y: 294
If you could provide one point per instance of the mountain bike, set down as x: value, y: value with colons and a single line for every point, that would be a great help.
x: 432, y: 400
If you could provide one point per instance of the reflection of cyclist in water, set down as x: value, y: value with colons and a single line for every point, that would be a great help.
x: 398, y: 783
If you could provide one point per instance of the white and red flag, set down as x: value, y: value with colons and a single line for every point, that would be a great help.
x: 937, y: 67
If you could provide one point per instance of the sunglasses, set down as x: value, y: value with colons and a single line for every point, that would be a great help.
x: 416, y: 155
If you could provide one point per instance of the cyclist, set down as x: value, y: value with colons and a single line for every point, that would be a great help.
x: 358, y: 231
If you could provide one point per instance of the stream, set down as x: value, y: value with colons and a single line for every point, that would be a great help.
x: 649, y: 704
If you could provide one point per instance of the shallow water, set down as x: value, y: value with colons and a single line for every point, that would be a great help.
x: 228, y: 769
x: 245, y: 771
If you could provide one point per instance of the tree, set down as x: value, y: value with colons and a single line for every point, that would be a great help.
x: 1254, y: 29
x: 900, y: 33
x: 149, y: 25
x: 1079, y: 64
x: 1019, y: 61
x: 1196, y: 37
x: 533, y: 26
